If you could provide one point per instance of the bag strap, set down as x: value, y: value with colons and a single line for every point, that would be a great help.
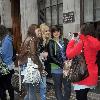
x: 59, y: 44
x: 83, y: 47
x: 56, y: 46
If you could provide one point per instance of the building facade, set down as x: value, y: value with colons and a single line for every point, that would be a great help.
x: 22, y: 13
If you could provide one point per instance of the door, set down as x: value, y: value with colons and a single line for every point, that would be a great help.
x: 15, y: 13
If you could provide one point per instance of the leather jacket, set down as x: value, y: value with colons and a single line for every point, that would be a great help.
x: 29, y: 50
x: 56, y: 53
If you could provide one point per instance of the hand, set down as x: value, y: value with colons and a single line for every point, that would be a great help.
x: 44, y: 73
x: 19, y: 63
x: 65, y: 61
x: 44, y: 55
x: 75, y: 38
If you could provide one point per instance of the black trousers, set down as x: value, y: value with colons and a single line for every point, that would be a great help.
x: 82, y: 94
x: 5, y: 84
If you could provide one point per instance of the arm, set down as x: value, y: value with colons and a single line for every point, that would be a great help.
x: 6, y: 45
x: 73, y: 49
x: 95, y: 43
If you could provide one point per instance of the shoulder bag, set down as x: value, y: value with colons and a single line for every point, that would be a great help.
x: 76, y: 69
x: 3, y: 68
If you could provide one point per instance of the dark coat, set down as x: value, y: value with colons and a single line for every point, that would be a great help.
x: 56, y: 54
x: 29, y: 49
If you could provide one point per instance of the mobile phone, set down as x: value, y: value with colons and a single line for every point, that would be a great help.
x: 75, y: 34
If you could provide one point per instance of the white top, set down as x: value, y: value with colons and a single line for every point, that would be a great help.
x: 78, y: 87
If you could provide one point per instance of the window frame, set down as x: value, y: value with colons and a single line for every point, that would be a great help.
x: 82, y: 11
x: 50, y: 6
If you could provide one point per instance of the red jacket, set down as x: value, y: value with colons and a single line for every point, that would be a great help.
x: 91, y: 47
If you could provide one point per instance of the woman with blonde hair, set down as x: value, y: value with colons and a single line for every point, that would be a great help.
x: 45, y: 33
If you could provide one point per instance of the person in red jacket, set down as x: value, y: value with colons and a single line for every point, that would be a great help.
x: 91, y: 47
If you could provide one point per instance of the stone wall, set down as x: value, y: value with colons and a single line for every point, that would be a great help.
x: 68, y: 6
x: 29, y: 15
x: 5, y: 13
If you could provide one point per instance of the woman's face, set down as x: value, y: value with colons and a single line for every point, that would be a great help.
x: 46, y: 33
x: 56, y: 34
x: 38, y: 32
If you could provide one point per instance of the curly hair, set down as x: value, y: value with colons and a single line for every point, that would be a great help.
x: 45, y: 28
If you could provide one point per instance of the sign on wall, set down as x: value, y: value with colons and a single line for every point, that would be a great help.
x: 68, y: 17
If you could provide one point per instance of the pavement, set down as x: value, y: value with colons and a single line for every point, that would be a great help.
x: 51, y: 95
x: 92, y: 95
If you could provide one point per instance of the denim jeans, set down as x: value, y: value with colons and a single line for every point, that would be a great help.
x: 43, y: 88
x: 58, y: 80
x: 31, y: 93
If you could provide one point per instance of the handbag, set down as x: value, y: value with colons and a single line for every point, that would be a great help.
x: 3, y: 68
x: 32, y: 74
x: 76, y: 69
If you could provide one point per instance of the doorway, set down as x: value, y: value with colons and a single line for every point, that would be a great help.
x: 16, y: 21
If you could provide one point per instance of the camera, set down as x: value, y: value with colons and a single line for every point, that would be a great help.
x: 75, y: 34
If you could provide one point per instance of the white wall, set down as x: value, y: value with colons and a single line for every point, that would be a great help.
x: 68, y: 6
x: 29, y: 15
x: 5, y: 12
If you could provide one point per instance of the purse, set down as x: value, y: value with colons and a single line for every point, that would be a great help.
x: 3, y: 68
x: 32, y: 74
x: 76, y: 69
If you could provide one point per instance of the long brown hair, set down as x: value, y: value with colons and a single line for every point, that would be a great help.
x: 98, y: 32
x: 88, y: 29
x: 31, y: 30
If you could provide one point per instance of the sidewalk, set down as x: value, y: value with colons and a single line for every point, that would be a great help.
x: 51, y: 95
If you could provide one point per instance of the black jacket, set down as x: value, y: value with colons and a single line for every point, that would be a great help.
x: 56, y: 54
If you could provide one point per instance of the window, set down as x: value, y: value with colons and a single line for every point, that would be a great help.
x: 97, y: 10
x: 91, y: 10
x: 50, y: 12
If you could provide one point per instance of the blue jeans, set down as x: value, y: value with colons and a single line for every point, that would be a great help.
x: 31, y: 93
x: 43, y: 88
x: 58, y: 80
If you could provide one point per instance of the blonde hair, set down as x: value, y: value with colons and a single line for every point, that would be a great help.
x: 43, y: 28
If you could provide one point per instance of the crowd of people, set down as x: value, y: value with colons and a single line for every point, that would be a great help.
x: 47, y: 49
